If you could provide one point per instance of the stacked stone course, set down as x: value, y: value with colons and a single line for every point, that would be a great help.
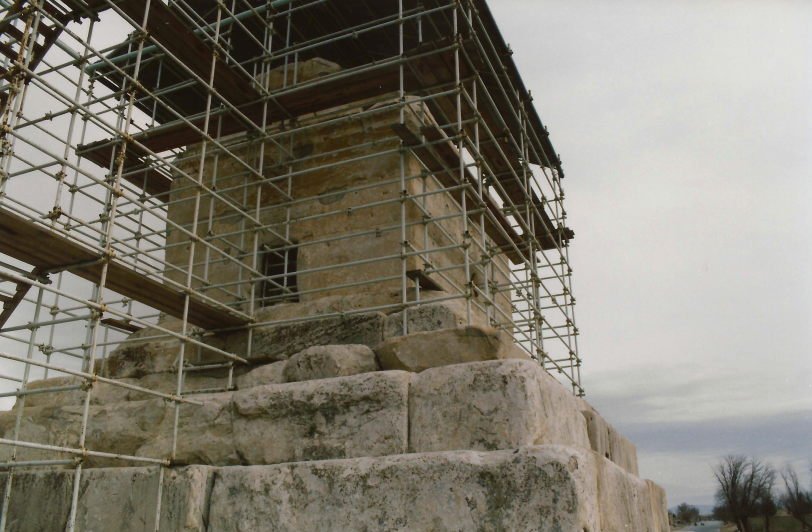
x: 337, y: 436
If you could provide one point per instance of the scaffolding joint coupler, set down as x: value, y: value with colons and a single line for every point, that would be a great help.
x: 54, y: 213
x: 140, y: 35
x: 87, y: 383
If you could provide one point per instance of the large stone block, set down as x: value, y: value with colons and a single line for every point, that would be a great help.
x: 205, y: 433
x: 659, y: 507
x: 427, y: 317
x: 102, y: 393
x: 121, y: 499
x: 330, y: 361
x: 626, y: 501
x: 536, y: 489
x: 431, y: 349
x: 492, y: 405
x: 118, y: 428
x: 278, y: 342
x: 106, y: 393
x: 608, y: 442
x: 273, y: 373
x: 146, y: 351
x: 362, y: 415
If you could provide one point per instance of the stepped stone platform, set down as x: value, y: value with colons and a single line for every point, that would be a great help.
x: 449, y: 428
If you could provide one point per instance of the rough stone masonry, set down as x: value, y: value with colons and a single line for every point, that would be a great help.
x: 338, y: 421
x: 372, y: 432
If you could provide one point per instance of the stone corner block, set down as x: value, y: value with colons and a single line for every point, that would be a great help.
x: 627, y: 502
x: 424, y: 350
x: 361, y: 415
x: 493, y: 405
x: 605, y: 440
x: 659, y: 507
x: 121, y: 498
x: 330, y: 361
x: 536, y: 489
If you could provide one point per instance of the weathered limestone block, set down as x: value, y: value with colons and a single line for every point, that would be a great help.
x: 428, y: 317
x: 273, y: 373
x: 205, y: 433
x: 121, y: 499
x: 362, y: 415
x: 659, y: 507
x: 492, y: 405
x: 420, y: 351
x: 329, y: 361
x: 626, y: 501
x: 118, y: 428
x: 609, y: 443
x: 533, y: 489
x: 104, y: 393
x: 278, y: 342
x: 146, y: 351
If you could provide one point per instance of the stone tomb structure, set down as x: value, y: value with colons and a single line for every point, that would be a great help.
x: 337, y: 423
x: 445, y: 429
x: 389, y: 378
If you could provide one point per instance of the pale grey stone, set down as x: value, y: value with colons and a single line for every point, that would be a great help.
x: 492, y: 405
x: 623, y: 452
x: 278, y: 342
x: 146, y: 351
x: 658, y: 508
x: 362, y: 415
x: 431, y: 349
x: 52, y: 492
x: 532, y: 489
x: 329, y: 361
x: 205, y: 433
x: 626, y: 501
x: 120, y: 499
x: 65, y: 397
x: 106, y: 393
x: 273, y: 373
x: 605, y: 440
x: 117, y: 428
x: 428, y: 317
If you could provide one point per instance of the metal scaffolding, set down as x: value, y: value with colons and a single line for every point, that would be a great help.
x: 157, y: 160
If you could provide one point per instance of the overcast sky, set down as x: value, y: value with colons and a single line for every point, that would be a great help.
x: 685, y: 131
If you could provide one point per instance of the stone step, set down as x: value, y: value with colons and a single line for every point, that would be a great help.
x: 537, y: 488
x: 362, y: 415
x: 502, y: 404
x: 152, y: 351
x: 415, y: 352
x: 319, y: 362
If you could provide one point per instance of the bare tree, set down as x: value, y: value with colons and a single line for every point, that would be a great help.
x: 796, y: 500
x: 767, y: 507
x: 687, y: 513
x: 744, y: 484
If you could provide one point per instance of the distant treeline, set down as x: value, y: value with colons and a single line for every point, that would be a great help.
x: 751, y: 493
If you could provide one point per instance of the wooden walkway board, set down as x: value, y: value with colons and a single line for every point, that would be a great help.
x: 47, y: 250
